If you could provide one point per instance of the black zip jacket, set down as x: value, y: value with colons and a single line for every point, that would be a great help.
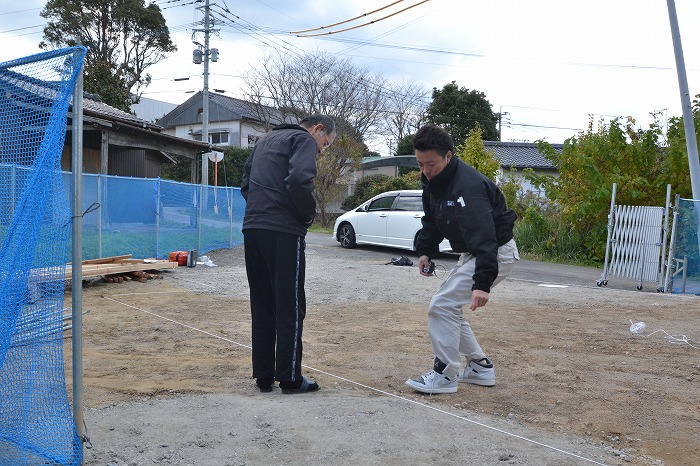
x: 278, y: 181
x: 468, y: 209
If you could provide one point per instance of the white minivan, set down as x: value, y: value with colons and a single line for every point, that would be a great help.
x: 390, y: 219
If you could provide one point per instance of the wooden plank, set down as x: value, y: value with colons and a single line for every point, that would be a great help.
x: 96, y: 270
x: 105, y: 260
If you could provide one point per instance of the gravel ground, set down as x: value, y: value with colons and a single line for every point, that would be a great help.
x: 167, y: 371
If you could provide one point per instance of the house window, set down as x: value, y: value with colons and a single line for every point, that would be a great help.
x: 215, y: 137
x: 252, y: 140
x: 219, y: 138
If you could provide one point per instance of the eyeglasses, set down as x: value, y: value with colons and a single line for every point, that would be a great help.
x: 328, y: 142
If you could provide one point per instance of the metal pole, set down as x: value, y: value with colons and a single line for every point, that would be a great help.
x: 77, y: 260
x: 672, y: 247
x: 205, y: 95
x: 664, y: 239
x: 200, y: 215
x: 158, y: 213
x: 688, y: 123
x: 229, y: 199
x: 604, y: 277
x: 99, y: 215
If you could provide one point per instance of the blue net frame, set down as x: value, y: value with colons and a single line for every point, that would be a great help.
x: 36, y: 422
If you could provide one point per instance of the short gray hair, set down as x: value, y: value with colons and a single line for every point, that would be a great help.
x: 327, y: 122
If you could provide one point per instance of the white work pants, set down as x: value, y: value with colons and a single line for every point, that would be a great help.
x: 450, y: 333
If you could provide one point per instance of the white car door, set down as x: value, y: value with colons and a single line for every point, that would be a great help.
x: 404, y: 221
x: 371, y: 227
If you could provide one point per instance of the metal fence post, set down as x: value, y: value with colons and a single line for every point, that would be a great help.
x: 77, y: 259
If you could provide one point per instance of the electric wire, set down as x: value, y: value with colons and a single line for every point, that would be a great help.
x: 361, y: 25
x: 347, y: 20
x: 410, y: 48
x: 252, y: 30
x: 176, y: 3
x: 267, y: 38
x: 296, y: 51
x: 22, y: 29
x: 17, y: 11
x: 368, y: 387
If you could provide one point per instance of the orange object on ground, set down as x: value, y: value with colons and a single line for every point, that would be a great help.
x: 178, y: 256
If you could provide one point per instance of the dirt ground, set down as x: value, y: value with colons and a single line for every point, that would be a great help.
x: 166, y: 359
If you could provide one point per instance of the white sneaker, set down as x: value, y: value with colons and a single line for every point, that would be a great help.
x: 478, y: 373
x: 433, y: 382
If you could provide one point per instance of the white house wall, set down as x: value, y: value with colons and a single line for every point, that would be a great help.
x: 253, y: 130
x: 187, y: 131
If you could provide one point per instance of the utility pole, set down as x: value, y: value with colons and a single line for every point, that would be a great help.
x: 688, y: 123
x: 203, y: 54
x: 205, y: 96
x: 500, y: 117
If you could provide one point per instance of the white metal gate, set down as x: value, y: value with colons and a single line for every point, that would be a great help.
x: 636, y: 245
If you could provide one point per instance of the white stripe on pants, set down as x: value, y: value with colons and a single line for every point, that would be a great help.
x: 450, y: 333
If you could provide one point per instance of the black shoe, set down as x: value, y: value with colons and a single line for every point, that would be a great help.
x: 265, y: 385
x: 306, y: 386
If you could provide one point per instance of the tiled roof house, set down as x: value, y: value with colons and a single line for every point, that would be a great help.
x: 232, y: 122
x: 515, y: 157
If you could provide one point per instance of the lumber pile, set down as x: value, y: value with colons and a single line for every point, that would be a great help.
x: 118, y: 269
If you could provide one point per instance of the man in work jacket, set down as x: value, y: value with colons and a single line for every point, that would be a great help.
x: 468, y: 209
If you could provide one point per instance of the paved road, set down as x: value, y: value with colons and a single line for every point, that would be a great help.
x: 540, y: 272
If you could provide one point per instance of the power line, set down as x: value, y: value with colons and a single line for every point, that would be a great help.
x: 266, y: 36
x: 177, y: 3
x: 255, y: 32
x: 22, y: 29
x: 18, y: 11
x: 405, y: 47
x: 361, y: 25
x: 347, y: 20
x: 543, y: 126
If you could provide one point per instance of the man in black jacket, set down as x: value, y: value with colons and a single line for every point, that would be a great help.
x: 278, y: 186
x: 468, y: 209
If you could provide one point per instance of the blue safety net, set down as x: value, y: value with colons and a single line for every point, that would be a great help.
x: 36, y: 422
x: 686, y: 248
x: 150, y: 217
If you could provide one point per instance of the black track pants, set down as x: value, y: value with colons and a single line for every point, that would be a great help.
x: 275, y: 263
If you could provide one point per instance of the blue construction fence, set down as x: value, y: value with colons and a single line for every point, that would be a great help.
x: 685, y: 248
x: 151, y: 217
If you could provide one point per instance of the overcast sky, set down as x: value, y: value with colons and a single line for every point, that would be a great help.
x: 548, y: 63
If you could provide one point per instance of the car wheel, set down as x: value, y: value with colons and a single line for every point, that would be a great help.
x: 346, y: 236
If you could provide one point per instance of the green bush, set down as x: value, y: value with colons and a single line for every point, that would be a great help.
x: 540, y: 234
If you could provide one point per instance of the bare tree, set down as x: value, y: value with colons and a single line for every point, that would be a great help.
x: 406, y: 107
x: 316, y: 82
